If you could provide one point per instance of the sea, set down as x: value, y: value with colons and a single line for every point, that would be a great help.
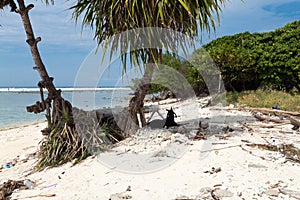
x: 14, y: 100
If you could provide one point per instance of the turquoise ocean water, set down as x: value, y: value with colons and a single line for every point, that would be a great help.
x: 13, y: 102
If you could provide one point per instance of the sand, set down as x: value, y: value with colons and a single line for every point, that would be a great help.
x: 161, y: 164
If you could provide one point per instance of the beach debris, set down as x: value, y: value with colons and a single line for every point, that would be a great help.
x: 49, y: 186
x: 29, y: 184
x: 288, y: 150
x: 128, y: 188
x: 246, y: 141
x: 204, y: 193
x: 275, y: 107
x: 199, y: 136
x: 272, y: 192
x: 170, y: 119
x: 221, y: 193
x: 9, y: 164
x: 213, y: 170
x: 183, y: 197
x: 121, y: 195
x: 24, y: 157
x: 179, y: 138
x: 215, y: 193
x: 290, y: 193
x: 259, y: 166
x: 295, y: 123
x: 268, y: 119
x: 7, y: 188
x: 39, y: 195
x: 223, y: 137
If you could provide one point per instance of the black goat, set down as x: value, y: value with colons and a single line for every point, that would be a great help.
x: 170, y: 119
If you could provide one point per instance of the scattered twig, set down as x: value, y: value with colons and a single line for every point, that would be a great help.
x: 39, y: 195
x: 250, y: 152
x: 220, y: 148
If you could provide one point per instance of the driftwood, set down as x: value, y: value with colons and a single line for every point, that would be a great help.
x: 266, y: 111
x: 291, y: 116
x: 7, y: 188
x: 262, y: 118
x: 294, y: 122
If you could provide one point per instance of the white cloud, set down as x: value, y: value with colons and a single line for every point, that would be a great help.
x: 52, y: 23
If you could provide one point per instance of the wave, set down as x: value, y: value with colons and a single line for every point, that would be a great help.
x: 36, y: 90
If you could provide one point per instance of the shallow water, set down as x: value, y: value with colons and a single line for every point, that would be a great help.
x: 13, y: 104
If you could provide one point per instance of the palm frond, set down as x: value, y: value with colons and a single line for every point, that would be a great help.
x: 109, y: 18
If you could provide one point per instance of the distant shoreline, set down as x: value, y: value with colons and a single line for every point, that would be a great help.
x: 66, y: 89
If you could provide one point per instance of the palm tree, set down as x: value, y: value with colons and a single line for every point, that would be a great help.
x: 109, y: 18
x: 61, y: 130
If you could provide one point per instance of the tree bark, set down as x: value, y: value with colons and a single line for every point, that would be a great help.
x: 137, y: 102
x: 59, y: 104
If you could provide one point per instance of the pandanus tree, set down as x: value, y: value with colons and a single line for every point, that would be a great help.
x: 62, y: 142
x: 109, y: 18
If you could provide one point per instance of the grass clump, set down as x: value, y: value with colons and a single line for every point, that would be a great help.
x: 62, y: 145
x: 265, y: 99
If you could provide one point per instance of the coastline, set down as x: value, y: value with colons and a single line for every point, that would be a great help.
x: 222, y: 164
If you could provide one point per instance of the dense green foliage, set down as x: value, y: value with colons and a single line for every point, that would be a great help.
x: 246, y: 61
x: 249, y: 61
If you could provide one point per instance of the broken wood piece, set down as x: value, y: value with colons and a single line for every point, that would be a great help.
x: 39, y: 195
x: 261, y: 118
x: 294, y: 122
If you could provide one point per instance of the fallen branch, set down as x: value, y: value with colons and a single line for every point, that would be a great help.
x: 39, y: 195
x: 261, y: 125
x: 220, y: 148
x: 264, y: 111
x: 262, y: 118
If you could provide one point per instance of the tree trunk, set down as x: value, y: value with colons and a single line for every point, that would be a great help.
x: 62, y: 142
x: 60, y: 106
x: 137, y: 102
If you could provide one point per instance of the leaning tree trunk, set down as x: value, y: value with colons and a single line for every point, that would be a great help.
x: 60, y: 105
x: 137, y: 102
x: 61, y: 134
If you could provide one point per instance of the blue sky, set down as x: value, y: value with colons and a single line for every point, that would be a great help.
x: 64, y: 46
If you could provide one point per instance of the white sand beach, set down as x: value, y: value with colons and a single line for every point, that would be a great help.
x: 222, y: 166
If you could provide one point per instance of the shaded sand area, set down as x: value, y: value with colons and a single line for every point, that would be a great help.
x: 224, y: 158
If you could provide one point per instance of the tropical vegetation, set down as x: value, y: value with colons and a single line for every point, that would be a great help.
x: 269, y: 60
